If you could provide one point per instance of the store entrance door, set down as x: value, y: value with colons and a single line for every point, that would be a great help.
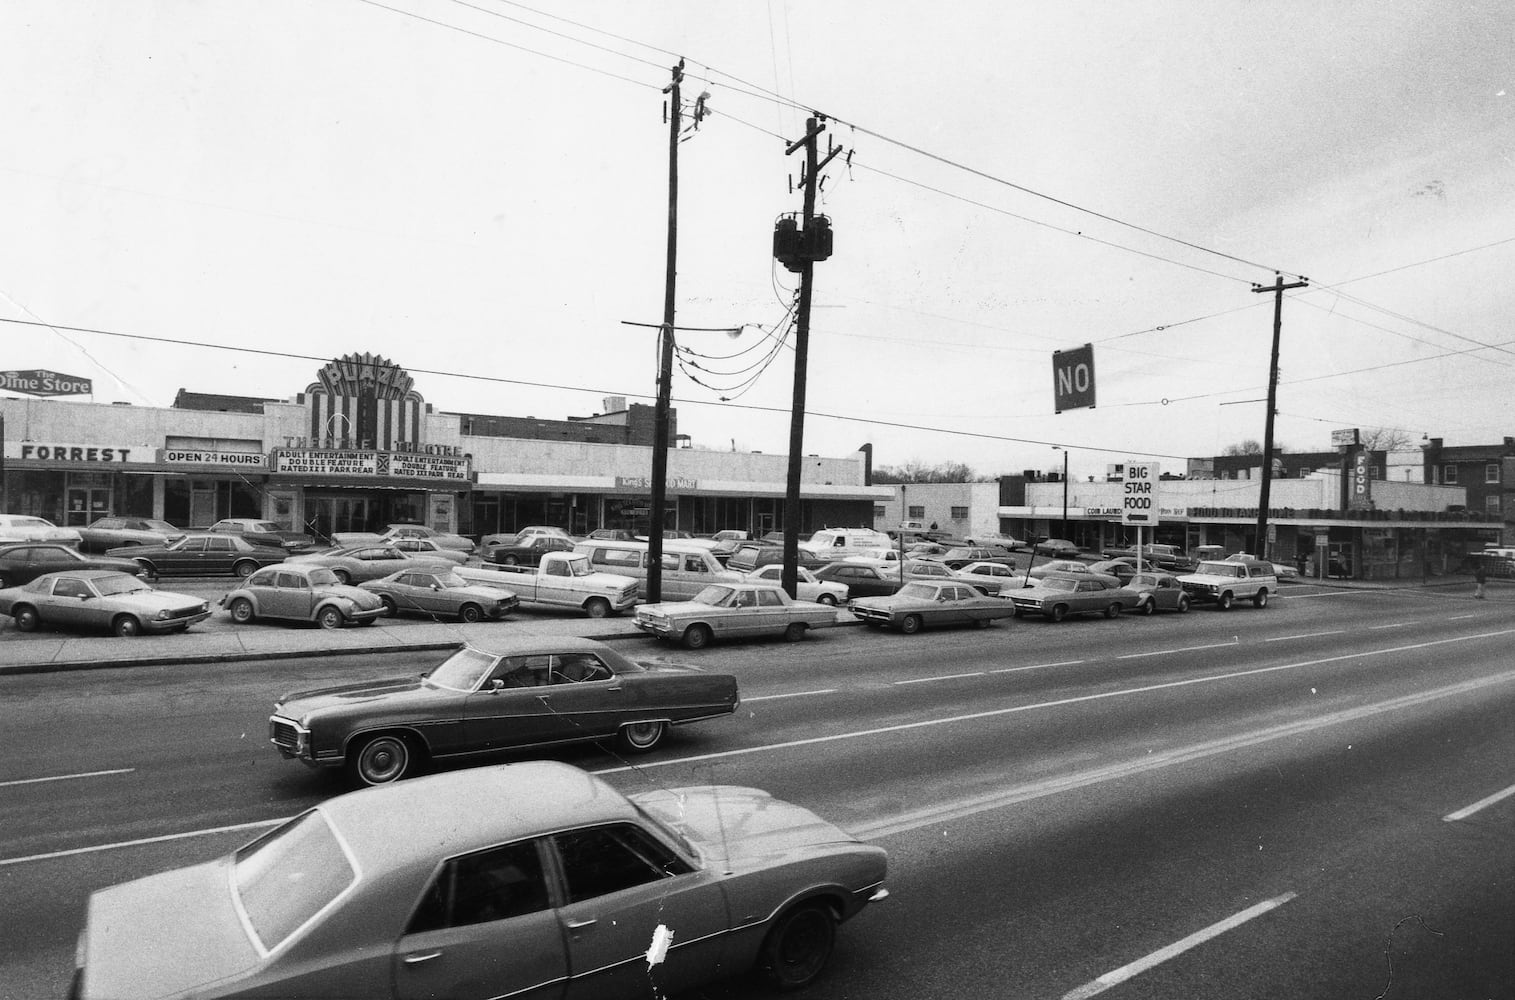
x: 329, y: 514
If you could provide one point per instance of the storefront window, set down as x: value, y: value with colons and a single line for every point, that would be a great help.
x: 38, y: 494
x: 134, y: 496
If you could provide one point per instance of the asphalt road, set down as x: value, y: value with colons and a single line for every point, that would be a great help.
x: 1297, y: 801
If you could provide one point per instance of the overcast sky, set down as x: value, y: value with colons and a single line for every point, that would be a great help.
x: 479, y: 189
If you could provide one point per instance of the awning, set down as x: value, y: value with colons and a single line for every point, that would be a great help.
x: 527, y: 482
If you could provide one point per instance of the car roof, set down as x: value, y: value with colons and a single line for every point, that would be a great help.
x: 86, y: 574
x: 439, y: 815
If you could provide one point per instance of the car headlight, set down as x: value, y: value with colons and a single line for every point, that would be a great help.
x: 163, y: 615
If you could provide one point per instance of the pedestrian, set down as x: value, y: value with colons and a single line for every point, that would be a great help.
x: 1480, y: 576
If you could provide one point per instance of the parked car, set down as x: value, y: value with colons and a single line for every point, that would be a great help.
x: 490, y: 542
x: 264, y: 533
x: 430, y: 548
x: 301, y: 592
x: 726, y: 542
x: 1065, y: 567
x: 1122, y: 569
x: 750, y: 556
x: 561, y: 580
x: 1057, y: 548
x: 1157, y: 592
x: 1155, y: 556
x: 25, y: 561
x: 995, y: 540
x: 520, y: 874
x: 25, y: 528
x: 434, y: 592
x: 1057, y: 597
x: 202, y: 555
x: 1281, y: 570
x: 443, y: 539
x: 530, y: 550
x: 733, y: 611
x: 1009, y: 577
x: 1224, y: 582
x: 100, y: 599
x: 961, y: 555
x: 361, y: 563
x: 518, y: 691
x: 861, y: 579
x: 807, y: 586
x: 920, y: 604
x: 106, y: 533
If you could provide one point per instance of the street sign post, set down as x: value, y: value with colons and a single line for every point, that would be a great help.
x: 1140, y: 503
x: 1073, y: 378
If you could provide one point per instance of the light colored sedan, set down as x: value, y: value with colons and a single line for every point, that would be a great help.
x: 808, y: 588
x: 100, y: 599
x: 732, y: 611
x: 361, y: 563
x: 1058, y: 596
x: 430, y: 888
x: 434, y: 592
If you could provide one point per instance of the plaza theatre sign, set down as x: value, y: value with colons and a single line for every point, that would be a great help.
x: 365, y: 419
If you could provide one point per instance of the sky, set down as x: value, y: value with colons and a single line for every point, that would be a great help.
x: 478, y: 191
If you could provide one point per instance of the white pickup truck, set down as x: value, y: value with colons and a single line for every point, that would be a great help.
x: 561, y: 580
x: 1224, y: 582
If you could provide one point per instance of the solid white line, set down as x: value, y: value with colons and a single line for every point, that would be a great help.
x: 1480, y: 804
x: 944, y: 677
x: 1165, y: 652
x: 1458, y: 618
x: 1328, y: 593
x: 1136, y: 968
x: 792, y: 694
x: 144, y: 840
x: 1305, y: 635
x: 67, y: 777
x: 1374, y: 628
x: 1037, y: 666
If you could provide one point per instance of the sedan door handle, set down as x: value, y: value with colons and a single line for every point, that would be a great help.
x: 418, y: 959
x: 578, y: 925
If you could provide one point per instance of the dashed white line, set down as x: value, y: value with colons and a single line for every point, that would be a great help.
x: 1458, y: 618
x: 1037, y: 666
x: 1304, y: 635
x: 944, y: 677
x: 791, y: 694
x: 1167, y: 652
x: 1375, y: 628
x: 1467, y: 811
x: 1136, y: 968
x: 67, y: 777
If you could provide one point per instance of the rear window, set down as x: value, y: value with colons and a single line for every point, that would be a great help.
x: 285, y: 879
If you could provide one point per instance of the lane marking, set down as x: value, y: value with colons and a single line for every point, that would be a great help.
x: 1458, y: 618
x: 1136, y: 968
x: 67, y: 777
x: 1038, y: 666
x: 1305, y: 635
x: 792, y: 694
x: 1481, y: 804
x: 1186, y: 649
x: 1327, y: 593
x: 944, y: 677
x: 1375, y: 628
x: 145, y: 840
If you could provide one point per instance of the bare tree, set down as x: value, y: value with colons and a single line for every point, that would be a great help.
x: 1247, y: 447
x: 1388, y: 439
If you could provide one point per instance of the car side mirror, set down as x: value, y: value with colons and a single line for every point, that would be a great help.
x: 496, y: 685
x: 85, y: 597
x: 436, y: 586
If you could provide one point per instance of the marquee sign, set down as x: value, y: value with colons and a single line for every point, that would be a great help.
x: 41, y: 382
x: 347, y: 462
x: 211, y: 456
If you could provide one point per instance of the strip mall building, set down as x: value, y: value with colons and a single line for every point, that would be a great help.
x: 360, y: 448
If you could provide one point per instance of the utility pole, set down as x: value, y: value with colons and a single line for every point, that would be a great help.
x: 1264, y: 496
x: 798, y: 248
x: 665, y: 354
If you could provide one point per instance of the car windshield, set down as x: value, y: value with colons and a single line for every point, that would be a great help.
x: 123, y: 584
x: 714, y: 595
x: 1222, y: 569
x: 923, y: 591
x: 262, y: 526
x: 451, y: 580
x: 284, y: 879
x: 323, y: 578
x: 579, y: 566
x: 463, y: 670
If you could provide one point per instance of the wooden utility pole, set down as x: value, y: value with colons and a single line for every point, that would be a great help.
x: 1264, y: 496
x: 660, y: 434
x: 810, y: 252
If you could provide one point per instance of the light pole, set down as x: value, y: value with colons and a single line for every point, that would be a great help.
x: 1065, y: 487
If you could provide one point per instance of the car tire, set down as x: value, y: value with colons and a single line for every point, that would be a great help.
x: 1148, y: 607
x: 245, y: 568
x: 798, y: 947
x: 4, y: 582
x: 983, y: 622
x: 1183, y: 604
x: 391, y: 609
x: 1113, y: 611
x: 697, y: 636
x: 1058, y: 612
x: 26, y: 617
x: 827, y: 599
x: 1260, y: 599
x: 641, y: 737
x: 343, y: 577
x: 126, y: 626
x: 148, y: 569
x: 597, y: 607
x: 510, y: 561
x: 910, y: 624
x: 471, y: 613
x: 795, y: 632
x: 1224, y: 601
x: 242, y: 611
x: 381, y: 760
x: 330, y: 617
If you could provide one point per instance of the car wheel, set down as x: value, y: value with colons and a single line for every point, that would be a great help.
x: 827, y: 599
x: 1183, y: 604
x: 1260, y: 599
x: 1148, y: 607
x: 381, y: 760
x: 1058, y: 612
x: 795, y: 632
x: 1016, y: 613
x: 4, y: 582
x: 982, y: 622
x: 26, y: 618
x: 597, y: 607
x: 470, y: 613
x: 330, y: 617
x: 1225, y: 600
x: 126, y: 626
x: 510, y: 561
x: 1113, y: 611
x: 241, y: 611
x: 641, y: 737
x: 910, y: 624
x: 245, y: 568
x: 799, y: 945
x: 148, y: 569
x: 391, y: 609
x: 343, y: 577
x: 697, y: 637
